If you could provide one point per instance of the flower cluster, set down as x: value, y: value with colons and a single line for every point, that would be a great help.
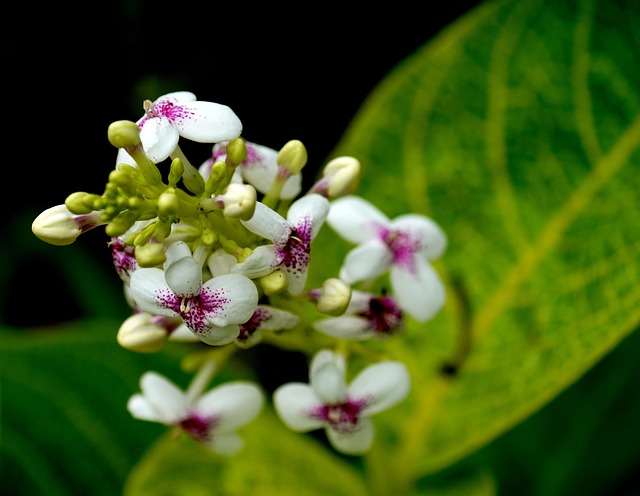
x: 218, y: 255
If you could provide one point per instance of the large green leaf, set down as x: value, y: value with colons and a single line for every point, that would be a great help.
x: 518, y: 130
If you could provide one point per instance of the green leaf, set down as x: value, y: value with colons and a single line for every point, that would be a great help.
x: 65, y: 427
x: 273, y: 461
x: 517, y: 129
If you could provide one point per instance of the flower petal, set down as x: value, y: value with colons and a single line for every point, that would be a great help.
x: 159, y: 138
x: 261, y: 262
x: 220, y: 262
x: 146, y: 285
x: 218, y: 336
x: 234, y: 404
x: 268, y: 224
x: 366, y: 261
x: 141, y: 409
x: 328, y: 382
x: 293, y: 402
x: 421, y: 293
x: 164, y: 397
x: 313, y: 207
x: 355, y: 219
x: 276, y: 319
x: 345, y: 327
x: 432, y: 237
x: 184, y: 277
x: 353, y: 443
x: 383, y: 385
x: 208, y: 122
x: 236, y: 298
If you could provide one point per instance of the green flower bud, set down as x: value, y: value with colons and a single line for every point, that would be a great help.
x: 168, y: 203
x: 273, y: 283
x: 150, y: 255
x: 124, y: 134
x: 293, y: 156
x: 80, y: 203
x: 236, y: 151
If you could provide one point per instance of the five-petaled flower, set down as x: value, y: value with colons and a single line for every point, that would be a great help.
x: 291, y: 239
x: 180, y: 114
x: 212, y: 310
x: 403, y: 246
x: 367, y: 316
x: 211, y: 418
x: 343, y: 410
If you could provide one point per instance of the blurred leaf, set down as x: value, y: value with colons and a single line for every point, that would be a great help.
x: 583, y: 442
x: 65, y: 428
x: 274, y: 461
x: 517, y: 130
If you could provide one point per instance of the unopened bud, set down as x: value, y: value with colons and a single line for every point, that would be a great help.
x: 124, y: 134
x: 273, y: 283
x: 58, y: 226
x: 293, y: 156
x: 168, y: 203
x: 142, y: 333
x: 240, y: 201
x: 150, y: 255
x: 334, y: 297
x: 236, y: 151
x: 342, y: 175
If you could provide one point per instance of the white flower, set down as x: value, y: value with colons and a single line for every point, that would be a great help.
x: 366, y: 316
x: 211, y: 418
x: 343, y: 410
x: 291, y: 238
x: 404, y: 246
x: 211, y: 310
x: 180, y: 114
x: 259, y: 169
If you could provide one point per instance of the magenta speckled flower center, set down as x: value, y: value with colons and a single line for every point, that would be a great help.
x: 384, y: 315
x: 294, y: 253
x: 251, y: 326
x: 402, y: 245
x: 195, y: 310
x: 198, y: 426
x: 342, y: 417
x: 124, y: 259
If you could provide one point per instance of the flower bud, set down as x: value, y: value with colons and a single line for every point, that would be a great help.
x: 150, y: 255
x: 273, y: 283
x: 168, y: 203
x: 80, y: 203
x: 236, y: 151
x: 58, y: 226
x: 334, y: 297
x: 342, y: 175
x: 124, y: 134
x: 240, y: 201
x: 142, y: 333
x: 293, y: 156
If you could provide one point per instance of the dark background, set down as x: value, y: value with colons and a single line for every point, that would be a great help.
x: 299, y: 73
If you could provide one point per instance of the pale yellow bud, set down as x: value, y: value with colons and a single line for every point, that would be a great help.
x: 168, y: 203
x: 342, y: 175
x: 237, y: 151
x: 140, y: 333
x: 240, y: 201
x: 273, y: 283
x: 124, y: 134
x: 293, y: 156
x: 334, y: 297
x: 150, y: 255
x: 58, y: 226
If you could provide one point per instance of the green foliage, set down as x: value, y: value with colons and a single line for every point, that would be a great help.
x: 517, y: 129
